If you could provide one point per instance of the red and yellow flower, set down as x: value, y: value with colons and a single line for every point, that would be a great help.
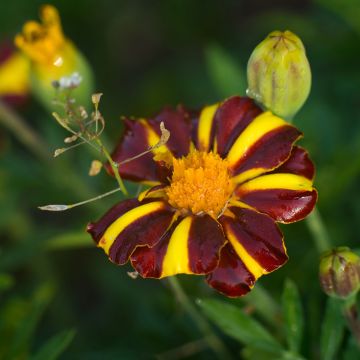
x: 226, y: 176
x: 52, y: 56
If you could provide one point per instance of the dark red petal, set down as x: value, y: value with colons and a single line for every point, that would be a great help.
x: 179, y: 124
x: 133, y: 142
x: 231, y: 277
x: 282, y: 205
x: 298, y: 163
x: 147, y: 230
x: 231, y: 118
x: 259, y: 236
x: 269, y: 151
x: 205, y: 241
x: 98, y: 228
x: 148, y: 261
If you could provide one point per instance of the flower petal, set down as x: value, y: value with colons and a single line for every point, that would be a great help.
x: 298, y: 163
x: 98, y: 228
x: 191, y: 247
x: 256, y: 239
x: 139, y: 226
x: 205, y: 133
x: 231, y: 277
x: 231, y: 118
x: 264, y: 145
x: 205, y: 241
x: 137, y: 138
x: 284, y: 197
x: 179, y: 124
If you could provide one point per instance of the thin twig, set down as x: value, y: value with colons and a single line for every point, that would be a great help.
x: 23, y: 132
x: 61, y: 207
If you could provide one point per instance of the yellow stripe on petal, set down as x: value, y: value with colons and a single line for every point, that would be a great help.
x: 249, y: 174
x: 124, y: 221
x: 176, y: 259
x: 259, y: 127
x: 206, y: 120
x: 277, y: 181
x: 251, y: 264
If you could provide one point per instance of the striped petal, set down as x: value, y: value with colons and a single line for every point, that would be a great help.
x: 129, y: 225
x: 205, y: 132
x: 231, y: 118
x: 191, y: 246
x: 231, y: 277
x: 298, y: 163
x: 285, y: 197
x: 179, y: 124
x: 256, y: 239
x: 138, y: 137
x: 263, y: 146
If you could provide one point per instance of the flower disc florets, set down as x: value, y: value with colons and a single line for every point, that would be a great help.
x: 200, y: 183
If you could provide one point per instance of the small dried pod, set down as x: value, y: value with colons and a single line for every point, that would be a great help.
x: 95, y: 167
x: 279, y: 75
x: 340, y: 272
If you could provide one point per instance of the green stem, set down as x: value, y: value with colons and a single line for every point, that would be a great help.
x: 113, y: 167
x: 23, y: 132
x: 318, y: 231
x: 212, y: 339
x: 352, y: 317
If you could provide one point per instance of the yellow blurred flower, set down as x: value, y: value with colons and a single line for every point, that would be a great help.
x: 14, y: 75
x: 52, y: 56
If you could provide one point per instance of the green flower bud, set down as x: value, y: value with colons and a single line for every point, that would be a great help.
x: 340, y: 272
x: 279, y: 75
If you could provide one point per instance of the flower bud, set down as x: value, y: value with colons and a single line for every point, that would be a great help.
x: 53, y: 57
x: 340, y: 272
x: 279, y: 75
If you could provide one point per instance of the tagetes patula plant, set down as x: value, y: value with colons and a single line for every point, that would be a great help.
x: 228, y: 174
x: 14, y: 75
x: 52, y: 57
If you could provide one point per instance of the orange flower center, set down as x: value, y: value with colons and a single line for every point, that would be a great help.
x: 200, y: 183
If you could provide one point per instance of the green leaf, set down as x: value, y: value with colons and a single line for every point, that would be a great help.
x: 21, y: 333
x: 332, y: 331
x: 6, y: 281
x: 293, y: 316
x: 235, y: 323
x: 226, y: 74
x: 54, y: 347
x: 70, y: 240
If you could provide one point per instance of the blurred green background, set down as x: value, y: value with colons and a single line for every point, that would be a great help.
x: 147, y: 54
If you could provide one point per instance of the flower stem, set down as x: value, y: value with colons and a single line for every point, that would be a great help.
x: 23, y: 132
x: 212, y: 339
x: 352, y: 317
x: 113, y: 167
x: 318, y: 231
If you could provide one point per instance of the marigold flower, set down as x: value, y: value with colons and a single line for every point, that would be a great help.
x: 52, y: 56
x: 14, y: 75
x: 224, y: 179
